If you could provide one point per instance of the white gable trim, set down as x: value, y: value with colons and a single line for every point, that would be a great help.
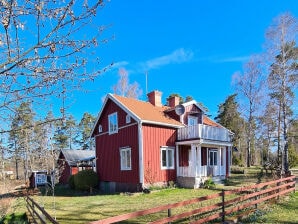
x: 111, y: 97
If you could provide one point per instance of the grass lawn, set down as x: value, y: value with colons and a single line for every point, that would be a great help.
x: 284, y: 211
x: 83, y: 209
x: 74, y: 207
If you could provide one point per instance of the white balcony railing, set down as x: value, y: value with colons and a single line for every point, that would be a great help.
x: 204, y: 132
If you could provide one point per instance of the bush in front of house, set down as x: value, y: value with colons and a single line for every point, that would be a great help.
x: 85, y: 180
x: 71, y: 182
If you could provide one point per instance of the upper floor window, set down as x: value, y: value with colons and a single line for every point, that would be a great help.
x: 167, y: 158
x: 113, y: 123
x: 128, y: 120
x: 125, y: 158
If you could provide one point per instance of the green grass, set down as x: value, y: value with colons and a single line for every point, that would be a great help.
x: 83, y: 209
x: 284, y: 211
x: 20, y: 218
x: 70, y: 206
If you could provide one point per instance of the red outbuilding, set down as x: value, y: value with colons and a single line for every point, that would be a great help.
x: 142, y: 143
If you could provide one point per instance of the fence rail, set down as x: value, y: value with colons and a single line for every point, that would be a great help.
x: 38, y: 213
x: 218, y: 205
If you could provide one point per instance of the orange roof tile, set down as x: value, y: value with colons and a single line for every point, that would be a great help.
x: 208, y: 121
x: 146, y: 111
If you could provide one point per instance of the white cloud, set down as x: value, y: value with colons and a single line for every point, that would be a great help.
x: 178, y: 56
x: 233, y: 59
x: 119, y: 64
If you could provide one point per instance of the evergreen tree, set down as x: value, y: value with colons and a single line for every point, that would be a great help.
x: 85, y: 127
x: 21, y: 136
x: 229, y: 117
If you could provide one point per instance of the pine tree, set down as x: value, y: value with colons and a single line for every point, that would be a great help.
x: 85, y: 127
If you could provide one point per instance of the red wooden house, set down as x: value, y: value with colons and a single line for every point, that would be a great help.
x: 142, y: 143
x: 70, y: 162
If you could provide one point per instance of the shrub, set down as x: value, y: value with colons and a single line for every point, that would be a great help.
x: 209, y: 183
x: 85, y: 180
x: 237, y: 170
x: 71, y: 182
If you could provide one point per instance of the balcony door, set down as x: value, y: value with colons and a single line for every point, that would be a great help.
x: 192, y: 126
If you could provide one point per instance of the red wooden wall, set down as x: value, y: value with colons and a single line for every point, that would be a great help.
x: 108, y: 147
x: 154, y: 137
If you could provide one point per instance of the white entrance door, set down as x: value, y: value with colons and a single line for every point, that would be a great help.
x: 213, y: 162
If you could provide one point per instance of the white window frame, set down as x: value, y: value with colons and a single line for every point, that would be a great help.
x: 113, y: 128
x: 167, y: 150
x: 124, y: 164
x: 128, y: 119
x: 213, y: 154
x: 40, y: 178
x: 100, y: 128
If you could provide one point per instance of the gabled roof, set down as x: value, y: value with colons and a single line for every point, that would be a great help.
x: 147, y: 112
x: 74, y: 156
x: 141, y: 111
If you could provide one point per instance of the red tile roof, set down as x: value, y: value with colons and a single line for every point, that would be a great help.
x: 208, y: 121
x: 147, y: 112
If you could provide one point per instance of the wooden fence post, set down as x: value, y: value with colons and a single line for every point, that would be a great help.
x: 169, y: 214
x: 223, y: 205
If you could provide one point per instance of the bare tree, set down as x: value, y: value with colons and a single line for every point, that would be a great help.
x: 249, y: 85
x: 283, y: 77
x: 44, y: 48
x: 124, y: 88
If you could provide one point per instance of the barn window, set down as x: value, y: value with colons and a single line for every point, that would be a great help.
x: 125, y: 158
x: 113, y: 123
x: 100, y: 128
x: 128, y: 120
x: 167, y: 158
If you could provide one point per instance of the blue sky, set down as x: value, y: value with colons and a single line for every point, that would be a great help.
x: 187, y: 47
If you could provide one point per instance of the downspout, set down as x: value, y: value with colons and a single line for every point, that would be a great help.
x: 141, y: 164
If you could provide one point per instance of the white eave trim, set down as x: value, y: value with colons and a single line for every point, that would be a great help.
x: 162, y: 124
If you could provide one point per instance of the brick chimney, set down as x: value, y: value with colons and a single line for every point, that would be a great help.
x: 173, y: 101
x: 154, y: 98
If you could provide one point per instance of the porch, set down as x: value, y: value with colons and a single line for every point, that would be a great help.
x: 201, y: 131
x: 196, y: 163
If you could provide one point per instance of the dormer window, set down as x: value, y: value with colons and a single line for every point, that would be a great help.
x: 128, y: 119
x: 100, y: 128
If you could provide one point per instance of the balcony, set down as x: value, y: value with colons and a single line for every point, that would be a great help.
x: 206, y: 132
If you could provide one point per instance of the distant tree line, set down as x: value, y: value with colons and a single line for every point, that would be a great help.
x: 262, y: 112
x: 35, y: 144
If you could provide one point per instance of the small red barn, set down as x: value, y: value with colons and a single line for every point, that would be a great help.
x: 142, y: 143
x: 70, y: 162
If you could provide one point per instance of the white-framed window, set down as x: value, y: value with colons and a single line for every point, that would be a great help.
x: 41, y: 179
x: 100, y: 128
x: 128, y: 119
x: 113, y: 123
x: 125, y: 158
x: 213, y: 157
x: 167, y: 157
